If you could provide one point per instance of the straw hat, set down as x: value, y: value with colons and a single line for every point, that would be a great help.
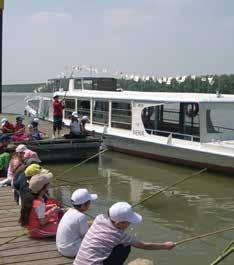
x: 37, y: 182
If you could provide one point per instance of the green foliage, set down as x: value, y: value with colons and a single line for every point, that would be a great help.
x: 222, y: 83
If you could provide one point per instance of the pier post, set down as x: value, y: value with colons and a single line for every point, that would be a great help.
x: 1, y: 29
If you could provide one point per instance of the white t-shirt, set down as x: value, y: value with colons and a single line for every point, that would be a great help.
x: 71, y: 230
x: 75, y: 127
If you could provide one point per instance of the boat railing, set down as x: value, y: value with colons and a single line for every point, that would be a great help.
x: 174, y: 134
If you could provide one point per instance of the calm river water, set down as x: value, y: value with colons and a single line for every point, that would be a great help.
x: 200, y: 205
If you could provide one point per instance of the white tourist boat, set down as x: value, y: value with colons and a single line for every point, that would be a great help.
x: 186, y: 128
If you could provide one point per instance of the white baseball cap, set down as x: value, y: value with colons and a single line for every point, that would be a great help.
x: 81, y: 196
x: 123, y: 212
x: 56, y: 94
x: 36, y: 120
x: 85, y: 118
x: 75, y: 114
x: 3, y: 121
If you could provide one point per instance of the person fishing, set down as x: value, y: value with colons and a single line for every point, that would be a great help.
x: 58, y: 106
x: 107, y: 242
x: 40, y: 219
x: 74, y: 224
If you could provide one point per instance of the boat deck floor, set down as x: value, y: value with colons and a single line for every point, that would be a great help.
x: 44, y: 126
x: 23, y: 250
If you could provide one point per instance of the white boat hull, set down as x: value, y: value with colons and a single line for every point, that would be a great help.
x: 170, y: 153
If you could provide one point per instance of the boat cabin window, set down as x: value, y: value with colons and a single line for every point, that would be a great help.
x: 100, y: 112
x: 121, y: 115
x: 45, y: 108
x: 83, y: 108
x: 77, y: 84
x: 88, y: 84
x: 104, y: 84
x: 34, y: 103
x: 70, y: 106
x: 220, y: 121
x: 57, y: 84
x: 179, y: 119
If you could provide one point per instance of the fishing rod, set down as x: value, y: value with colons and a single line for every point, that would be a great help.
x: 203, y: 235
x: 169, y: 187
x: 81, y: 163
x: 82, y: 181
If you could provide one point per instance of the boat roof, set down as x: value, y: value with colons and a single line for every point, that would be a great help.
x: 164, y: 97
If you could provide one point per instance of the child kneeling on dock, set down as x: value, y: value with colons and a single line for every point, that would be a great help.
x: 74, y: 224
x: 107, y: 243
x: 40, y: 220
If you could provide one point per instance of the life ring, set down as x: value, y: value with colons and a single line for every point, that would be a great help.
x: 192, y: 110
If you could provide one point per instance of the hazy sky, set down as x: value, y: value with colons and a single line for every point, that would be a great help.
x: 157, y: 37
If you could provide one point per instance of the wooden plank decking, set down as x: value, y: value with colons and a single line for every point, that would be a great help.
x: 23, y: 250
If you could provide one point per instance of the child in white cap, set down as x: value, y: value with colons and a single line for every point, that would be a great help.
x: 74, y: 224
x: 107, y: 242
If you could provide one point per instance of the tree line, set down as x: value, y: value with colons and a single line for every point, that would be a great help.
x: 222, y: 83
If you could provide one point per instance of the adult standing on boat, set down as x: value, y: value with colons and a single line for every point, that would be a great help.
x: 58, y: 106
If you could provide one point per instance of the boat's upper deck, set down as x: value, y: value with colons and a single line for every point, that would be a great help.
x: 165, y: 97
x: 107, y: 88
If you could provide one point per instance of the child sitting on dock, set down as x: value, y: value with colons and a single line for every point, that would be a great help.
x: 34, y: 132
x: 24, y: 152
x: 19, y: 133
x: 107, y: 243
x: 74, y: 224
x: 40, y: 220
x: 14, y: 164
x: 4, y: 155
x: 7, y: 127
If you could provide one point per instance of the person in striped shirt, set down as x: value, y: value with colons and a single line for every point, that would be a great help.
x: 108, y: 243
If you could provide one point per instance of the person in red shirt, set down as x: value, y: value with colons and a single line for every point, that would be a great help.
x: 6, y: 126
x: 58, y: 107
x: 19, y: 133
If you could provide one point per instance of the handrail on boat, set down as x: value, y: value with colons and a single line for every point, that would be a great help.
x: 191, y: 137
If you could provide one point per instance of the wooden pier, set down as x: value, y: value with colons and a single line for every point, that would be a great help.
x: 23, y: 250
